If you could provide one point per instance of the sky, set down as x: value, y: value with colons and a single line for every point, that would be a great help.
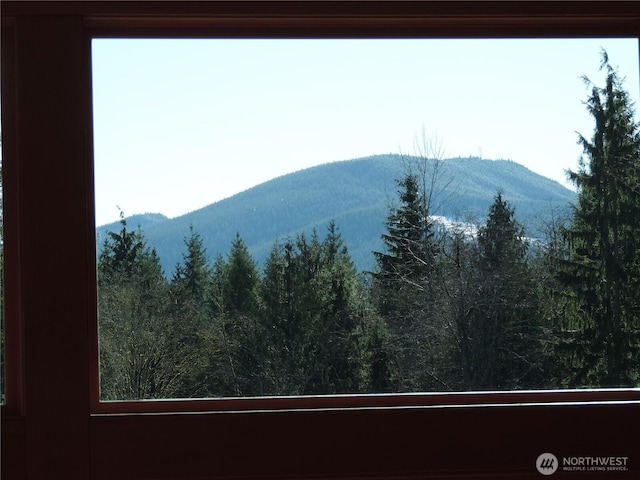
x: 180, y: 124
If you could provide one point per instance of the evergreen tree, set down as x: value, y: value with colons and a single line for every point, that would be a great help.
x: 190, y: 313
x: 406, y: 283
x: 237, y: 364
x: 603, y: 267
x: 337, y: 360
x: 192, y: 279
x: 140, y: 354
x: 377, y: 374
x: 501, y: 341
x: 241, y: 279
x: 125, y: 255
x: 409, y: 243
x: 287, y: 316
x: 501, y: 239
x: 314, y: 319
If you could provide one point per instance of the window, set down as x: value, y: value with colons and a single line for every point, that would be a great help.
x: 322, y: 128
x: 53, y: 422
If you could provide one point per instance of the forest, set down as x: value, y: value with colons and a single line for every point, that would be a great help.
x: 444, y: 309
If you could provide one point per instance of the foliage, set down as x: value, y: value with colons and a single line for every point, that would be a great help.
x: 405, y: 286
x: 602, y: 270
x: 143, y: 349
x: 235, y: 364
x: 189, y: 312
x: 502, y: 334
x: 410, y: 248
x: 314, y: 318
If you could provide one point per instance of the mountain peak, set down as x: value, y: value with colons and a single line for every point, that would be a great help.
x: 356, y: 194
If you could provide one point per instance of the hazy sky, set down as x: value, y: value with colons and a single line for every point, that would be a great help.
x: 179, y: 124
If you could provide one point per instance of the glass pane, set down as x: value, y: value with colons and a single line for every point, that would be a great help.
x: 309, y: 217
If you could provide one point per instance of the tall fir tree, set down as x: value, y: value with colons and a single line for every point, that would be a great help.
x: 290, y: 313
x: 237, y: 364
x: 241, y: 279
x: 190, y: 313
x: 125, y: 254
x: 406, y: 283
x: 501, y: 340
x: 602, y: 271
x: 410, y: 248
x: 191, y: 280
x: 336, y: 354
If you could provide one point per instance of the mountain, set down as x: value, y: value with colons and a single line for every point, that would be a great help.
x: 356, y: 194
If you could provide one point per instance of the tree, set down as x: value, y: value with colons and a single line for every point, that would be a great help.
x: 378, y: 373
x: 459, y: 291
x: 289, y: 313
x: 406, y: 284
x: 603, y: 267
x: 559, y: 308
x: 236, y: 366
x: 500, y: 339
x: 241, y: 279
x: 192, y: 278
x: 410, y: 247
x: 141, y: 356
x: 125, y: 255
x: 190, y: 313
x: 315, y: 320
x: 337, y: 357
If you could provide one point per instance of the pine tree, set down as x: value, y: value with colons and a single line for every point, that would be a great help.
x: 409, y: 243
x: 125, y: 255
x: 405, y: 284
x: 314, y: 318
x: 502, y: 337
x: 287, y: 315
x: 141, y: 353
x: 501, y: 239
x: 337, y: 359
x: 237, y: 357
x: 241, y: 279
x: 192, y: 278
x: 190, y: 313
x: 603, y: 268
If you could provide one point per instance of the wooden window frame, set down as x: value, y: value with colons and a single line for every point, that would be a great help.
x: 53, y: 425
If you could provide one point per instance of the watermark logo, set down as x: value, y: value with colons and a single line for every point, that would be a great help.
x: 595, y: 464
x: 547, y: 463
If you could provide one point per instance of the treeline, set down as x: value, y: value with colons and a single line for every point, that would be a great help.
x: 305, y: 326
x: 459, y: 308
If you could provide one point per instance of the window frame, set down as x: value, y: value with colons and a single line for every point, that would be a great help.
x: 53, y: 421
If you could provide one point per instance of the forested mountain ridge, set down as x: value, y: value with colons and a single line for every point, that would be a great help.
x: 356, y: 194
